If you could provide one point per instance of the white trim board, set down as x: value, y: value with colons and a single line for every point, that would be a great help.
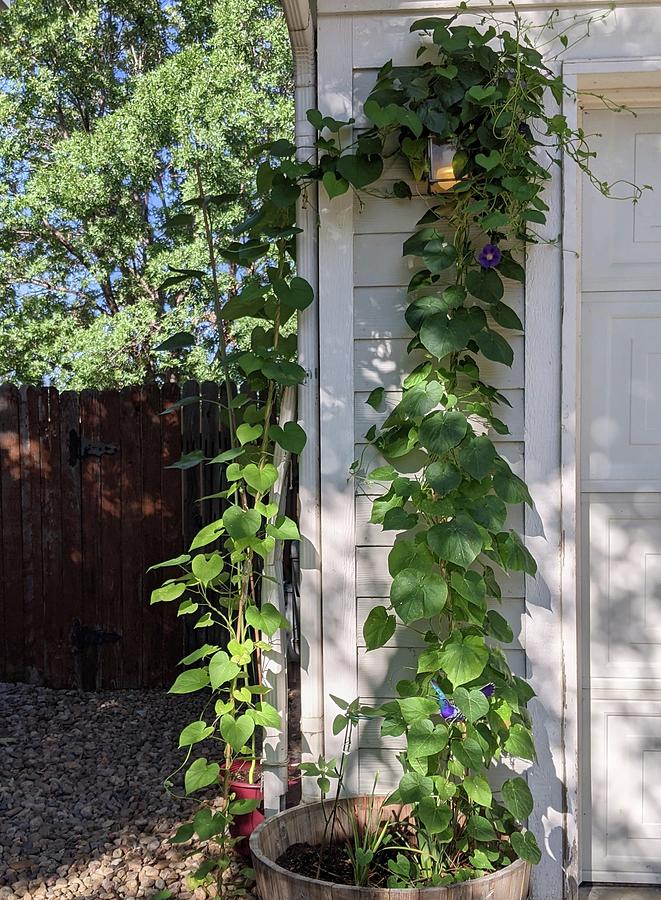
x: 633, y: 75
x: 335, y: 65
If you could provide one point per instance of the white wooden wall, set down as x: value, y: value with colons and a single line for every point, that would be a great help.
x: 363, y: 279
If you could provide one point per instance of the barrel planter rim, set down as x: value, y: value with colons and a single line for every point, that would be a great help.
x: 256, y: 851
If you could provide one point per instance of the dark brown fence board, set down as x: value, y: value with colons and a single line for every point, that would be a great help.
x: 152, y: 531
x: 12, y: 544
x: 134, y: 596
x: 171, y: 524
x: 33, y: 611
x: 210, y: 475
x: 71, y: 600
x: 91, y: 655
x: 55, y: 631
x: 111, y: 540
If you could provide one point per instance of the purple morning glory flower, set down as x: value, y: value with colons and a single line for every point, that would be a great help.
x: 489, y: 256
x: 447, y: 710
x: 488, y: 690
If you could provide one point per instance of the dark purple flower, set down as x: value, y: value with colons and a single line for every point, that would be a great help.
x: 489, y: 256
x: 488, y: 690
x: 524, y: 129
x: 447, y: 710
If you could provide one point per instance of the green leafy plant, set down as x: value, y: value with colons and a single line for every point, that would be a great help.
x: 481, y: 89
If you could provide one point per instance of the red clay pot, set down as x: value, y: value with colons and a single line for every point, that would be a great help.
x: 243, y: 826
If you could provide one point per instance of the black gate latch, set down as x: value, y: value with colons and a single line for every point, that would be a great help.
x: 80, y: 449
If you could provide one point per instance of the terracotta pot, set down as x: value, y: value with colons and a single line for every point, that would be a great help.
x: 306, y: 824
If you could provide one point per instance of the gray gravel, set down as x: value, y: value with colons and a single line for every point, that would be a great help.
x: 83, y: 811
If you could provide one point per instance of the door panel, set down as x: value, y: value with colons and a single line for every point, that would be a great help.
x: 625, y: 590
x: 621, y: 378
x: 620, y: 467
x: 626, y: 821
x: 622, y: 241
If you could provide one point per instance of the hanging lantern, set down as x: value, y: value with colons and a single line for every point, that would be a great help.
x: 441, y: 172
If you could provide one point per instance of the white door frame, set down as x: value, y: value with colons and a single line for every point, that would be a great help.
x: 641, y: 80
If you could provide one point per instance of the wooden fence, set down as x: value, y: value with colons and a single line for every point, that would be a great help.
x: 86, y: 506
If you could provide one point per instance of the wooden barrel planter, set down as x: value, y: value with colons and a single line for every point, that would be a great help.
x: 305, y: 824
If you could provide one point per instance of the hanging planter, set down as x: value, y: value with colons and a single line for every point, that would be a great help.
x: 307, y: 824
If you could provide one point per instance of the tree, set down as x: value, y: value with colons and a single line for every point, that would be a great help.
x: 113, y: 113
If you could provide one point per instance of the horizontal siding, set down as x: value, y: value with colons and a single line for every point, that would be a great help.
x: 378, y: 673
x: 381, y: 335
x: 369, y: 458
x: 379, y: 309
x: 369, y: 535
x: 511, y: 608
x: 385, y: 363
x: 365, y: 416
x: 373, y: 580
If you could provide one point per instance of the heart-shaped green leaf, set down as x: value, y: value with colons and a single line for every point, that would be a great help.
x: 435, y: 818
x: 480, y: 829
x: 443, y: 477
x: 414, y: 787
x: 241, y: 523
x: 517, y: 798
x: 200, y: 775
x: 246, y: 433
x: 473, y: 705
x: 489, y: 162
x: 418, y: 594
x: 194, y: 733
x: 420, y: 400
x: 334, y: 186
x: 379, y: 627
x: 284, y: 529
x: 495, y: 347
x: 519, y: 743
x: 458, y: 541
x: 290, y: 437
x: 190, y: 681
x: 442, y: 431
x: 464, y: 657
x: 298, y: 294
x: 260, y: 478
x: 267, y: 618
x: 478, y: 790
x: 477, y: 457
x: 526, y: 847
x: 222, y: 669
x: 208, y: 534
x: 167, y: 593
x: 237, y: 732
x: 360, y: 170
x: 205, y: 569
x: 425, y: 739
x: 468, y: 752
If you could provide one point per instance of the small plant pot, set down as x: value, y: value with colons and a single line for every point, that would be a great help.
x: 305, y: 824
x: 243, y: 826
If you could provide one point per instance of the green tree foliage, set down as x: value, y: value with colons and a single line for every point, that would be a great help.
x: 112, y: 114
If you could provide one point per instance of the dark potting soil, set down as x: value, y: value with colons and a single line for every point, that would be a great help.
x: 304, y: 859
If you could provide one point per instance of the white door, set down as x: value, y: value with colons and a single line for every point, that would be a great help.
x: 620, y: 482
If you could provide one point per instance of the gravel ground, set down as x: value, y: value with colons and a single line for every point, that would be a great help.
x: 83, y: 811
